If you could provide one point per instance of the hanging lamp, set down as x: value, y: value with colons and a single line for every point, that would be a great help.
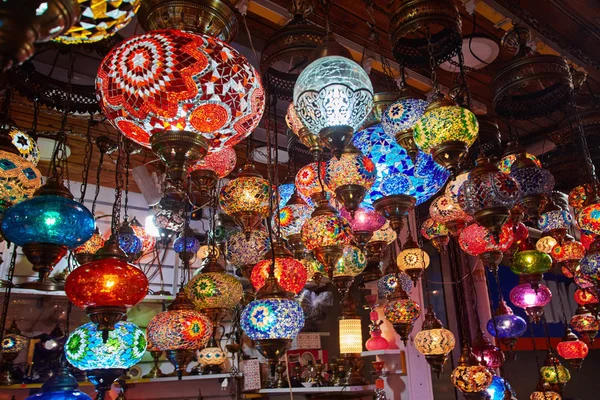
x: 506, y: 326
x: 412, y: 260
x: 289, y: 272
x: 437, y: 233
x: 434, y: 342
x: 572, y: 349
x: 401, y: 312
x: 553, y: 372
x: 478, y: 241
x: 532, y: 300
x: 585, y: 324
x: 364, y: 223
x: 448, y: 212
x: 62, y: 385
x: 470, y: 377
x: 536, y: 184
x: 292, y: 217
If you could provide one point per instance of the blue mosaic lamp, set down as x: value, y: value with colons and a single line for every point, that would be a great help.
x: 387, y: 284
x: 186, y: 242
x: 61, y: 386
x: 129, y: 242
x: 506, y: 326
x: 498, y: 388
x: 46, y: 226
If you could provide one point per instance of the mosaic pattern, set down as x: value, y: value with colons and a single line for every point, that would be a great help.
x: 286, y: 190
x: 174, y: 80
x: 211, y: 356
x: 148, y: 242
x: 190, y: 244
x: 352, y: 262
x: 585, y: 297
x: 19, y: 178
x: 533, y: 180
x: 546, y: 244
x: 179, y: 330
x: 221, y: 162
x: 290, y: 273
x: 240, y: 251
x: 333, y: 91
x: 489, y: 355
x: 272, y: 319
x: 245, y: 194
x: 582, y: 280
x: 222, y: 233
x: 125, y: 347
x: 402, y: 311
x: 524, y: 296
x: 307, y: 181
x: 14, y: 343
x: 396, y: 170
x: 415, y: 258
x: 506, y: 326
x: 94, y: 244
x: 23, y: 143
x: 214, y: 290
x: 431, y: 229
x: 505, y: 164
x: 454, y: 184
x: 313, y: 267
x: 529, y: 262
x: 555, y: 219
x: 554, y: 374
x: 444, y: 210
x: 364, y: 220
x: 326, y: 230
x: 48, y: 219
x: 173, y: 220
x: 387, y: 284
x: 434, y: 342
x: 590, y: 266
x: 471, y: 378
x: 572, y: 349
x: 444, y: 124
x: 585, y: 324
x: 130, y: 243
x: 350, y: 169
x: 489, y: 190
x: 496, y: 390
x: 476, y: 240
x: 106, y: 282
x: 401, y: 115
x: 589, y: 219
x: 545, y: 395
x: 578, y: 197
x: 385, y: 234
x: 100, y: 19
x: 291, y: 219
x: 570, y: 250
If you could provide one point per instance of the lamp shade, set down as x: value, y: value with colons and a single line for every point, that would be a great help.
x: 350, y: 335
x: 555, y: 219
x: 546, y: 244
x: 498, y: 387
x: 19, y: 178
x: 529, y: 262
x: 384, y: 234
x: 432, y: 342
x: 124, y: 348
x: 148, y: 241
x: 211, y: 356
x: 471, y: 378
x: 352, y: 263
x: 530, y: 299
x: 248, y: 193
x: 290, y: 273
x: 333, y: 91
x: 186, y: 243
x: 476, y: 240
x: 272, y: 318
x: 13, y: 342
x: 130, y: 243
x: 532, y: 179
x: 351, y: 168
x: 447, y: 212
x: 505, y: 164
x: 286, y: 190
x: 590, y: 266
x: 364, y: 219
x: 589, y: 218
x: 387, y: 284
x: 505, y: 324
x: 214, y: 290
x: 454, y: 184
x: 291, y: 218
x: 171, y: 80
x: 402, y: 311
x: 180, y: 329
x: 307, y: 180
x: 242, y: 251
x: 584, y: 297
x: 25, y: 145
x: 221, y: 162
x: 402, y: 115
x: 570, y: 250
x: 326, y: 230
x: 90, y: 247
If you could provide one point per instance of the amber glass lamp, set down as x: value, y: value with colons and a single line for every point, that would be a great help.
x: 412, y: 260
x: 434, y: 342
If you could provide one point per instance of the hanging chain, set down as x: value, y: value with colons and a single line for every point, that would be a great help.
x: 7, y: 292
x: 581, y: 143
x: 98, y: 173
x: 116, y: 211
x: 463, y: 78
x: 87, y: 160
x: 432, y: 65
x: 127, y: 155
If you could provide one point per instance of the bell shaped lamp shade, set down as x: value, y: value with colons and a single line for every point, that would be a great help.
x: 531, y: 300
x: 333, y: 96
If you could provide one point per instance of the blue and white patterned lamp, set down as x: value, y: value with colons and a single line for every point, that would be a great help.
x: 399, y: 119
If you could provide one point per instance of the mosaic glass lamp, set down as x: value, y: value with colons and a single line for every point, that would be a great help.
x: 506, y: 162
x: 470, y: 376
x: 307, y: 137
x: 412, y: 260
x: 148, y: 241
x: 546, y: 244
x: 489, y: 355
x: 15, y: 141
x: 572, y: 349
x: 364, y: 223
x: 506, y: 326
x: 307, y: 181
x: 401, y: 312
x: 186, y: 242
x: 437, y: 233
x: 333, y: 96
x: 387, y: 284
x: 13, y: 343
x: 498, y: 389
x: 85, y: 252
x: 531, y: 300
x: 446, y: 211
x: 569, y: 253
x: 205, y: 174
x: 290, y: 273
x: 185, y: 105
x: 553, y: 372
x: 589, y: 266
x: 536, y: 184
x: 586, y: 297
x: 434, y: 342
x: 478, y: 241
x: 585, y: 324
x: 19, y: 178
x: 555, y: 222
x: 545, y: 391
x: 579, y: 197
x: 292, y: 217
x: 244, y: 252
x: 446, y: 131
x: 129, y: 242
x: 211, y: 358
x: 529, y: 261
x: 62, y: 385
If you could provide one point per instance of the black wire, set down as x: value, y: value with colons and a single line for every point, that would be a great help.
x: 471, y: 39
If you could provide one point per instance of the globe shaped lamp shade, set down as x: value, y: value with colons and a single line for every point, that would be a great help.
x: 587, y: 238
x: 488, y: 355
x: 291, y: 219
x: 506, y: 326
x: 478, y: 241
x: 587, y: 298
x: 412, y: 260
x: 569, y: 253
x: 48, y: 224
x: 589, y: 267
x: 387, y: 284
x: 350, y: 177
x: 129, y: 242
x: 553, y: 372
x: 19, y: 178
x: 589, y: 218
x: 436, y: 232
x: 307, y: 138
x: 290, y: 273
x: 453, y: 186
x: 13, y: 342
x: 246, y: 199
x: 489, y: 195
x: 536, y: 184
x: 402, y: 313
x: 582, y: 280
x: 531, y: 262
x: 546, y: 244
x: 351, y: 264
x: 185, y: 105
x: 585, y: 324
x: 242, y: 251
x: 447, y: 212
x: 148, y: 241
x: 399, y: 119
x: 307, y: 181
x: 498, y: 388
x: 100, y: 20
x: 505, y: 164
x: 220, y: 162
x: 385, y: 234
x: 333, y: 97
x: 446, y: 131
x: 214, y: 290
x: 106, y: 287
x: 86, y: 251
x: 187, y: 242
x: 364, y: 223
x: 434, y: 342
x: 86, y: 350
x: 286, y: 190
x: 579, y: 197
x: 531, y: 300
x: 21, y: 143
x: 397, y: 173
x: 62, y: 385
x: 211, y: 358
x: 556, y: 223
x: 572, y: 349
x: 545, y: 395
x: 470, y: 376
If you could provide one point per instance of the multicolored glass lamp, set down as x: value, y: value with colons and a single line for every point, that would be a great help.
x: 184, y: 106
x: 585, y: 324
x: 211, y: 358
x: 62, y: 385
x: 530, y: 264
x: 412, y: 260
x: 437, y: 233
x: 333, y: 96
x: 448, y: 212
x: 46, y: 226
x: 489, y: 355
x: 129, y: 242
x: 530, y: 299
x: 587, y: 297
x: 553, y: 372
x: 107, y: 286
x: 244, y: 253
x: 446, y: 131
x: 506, y: 326
x: 148, y: 241
x: 589, y: 266
x: 470, y: 377
x: 545, y: 391
x: 434, y: 342
x: 478, y: 241
x: 205, y: 174
x: 500, y: 389
x: 536, y: 184
x: 307, y: 138
x: 246, y: 199
x: 187, y: 244
x: 85, y: 252
x: 401, y: 312
x: 555, y: 222
x: 289, y: 272
x: 364, y: 223
x: 572, y: 349
x: 104, y: 361
x: 19, y: 178
x: 13, y: 342
x: 292, y: 217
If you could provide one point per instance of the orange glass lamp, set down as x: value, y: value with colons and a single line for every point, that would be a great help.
x: 412, y: 260
x: 290, y: 273
x: 434, y: 342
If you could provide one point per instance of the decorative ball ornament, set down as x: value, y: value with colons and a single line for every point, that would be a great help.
x: 86, y: 350
x: 589, y: 266
x: 100, y: 20
x: 579, y: 197
x: 470, y: 376
x: 536, y: 184
x: 506, y: 326
x: 585, y: 324
x: 434, y: 342
x: 437, y: 233
x: 307, y: 180
x: 19, y: 178
x: 531, y: 300
x: 412, y: 260
x: 307, y: 138
x: 402, y: 313
x: 447, y: 212
x: 333, y: 96
x: 572, y: 349
x: 220, y: 162
x: 198, y: 89
x: 186, y: 242
x: 290, y: 273
x: 399, y: 119
x: 241, y: 251
x: 352, y: 263
x: 446, y: 131
x: 129, y: 242
x: 505, y: 164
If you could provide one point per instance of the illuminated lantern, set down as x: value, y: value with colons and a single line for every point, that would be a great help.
x: 530, y: 262
x: 246, y: 199
x: 585, y: 324
x: 286, y: 190
x: 175, y: 95
x: 129, y: 242
x: 589, y: 218
x: 314, y: 269
x: 572, y: 349
x: 569, y: 253
x: 244, y: 252
x: 489, y: 195
x: 307, y: 138
x: 506, y: 326
x: 351, y: 264
x: 587, y: 238
x: 478, y: 241
x: 292, y: 217
x: 412, y: 260
x: 530, y: 299
x: 148, y: 241
x: 583, y: 281
x: 307, y: 181
x: 587, y: 298
x: 387, y: 283
x: 85, y: 252
x: 498, y: 389
x: 350, y: 176
x: 545, y: 391
x: 579, y: 197
x: 364, y: 223
x: 505, y: 164
x: 13, y: 343
x: 589, y: 266
x: 21, y: 143
x: 211, y: 358
x: 186, y: 242
x: 555, y: 222
x: 333, y: 96
x: 205, y: 173
x: 546, y: 244
x: 470, y: 376
x: 437, y: 233
x: 447, y: 212
x: 434, y: 342
x: 106, y: 287
x: 536, y: 184
x: 289, y: 272
x: 402, y: 313
x: 488, y: 354
x: 553, y: 372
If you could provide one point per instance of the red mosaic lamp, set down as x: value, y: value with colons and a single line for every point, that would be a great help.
x: 290, y: 273
x: 478, y: 241
x: 572, y: 349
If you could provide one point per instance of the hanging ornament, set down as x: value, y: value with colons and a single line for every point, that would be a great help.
x: 553, y: 372
x: 478, y: 241
x: 506, y: 326
x: 530, y: 264
x: 545, y: 391
x: 13, y: 343
x: 585, y: 324
x: 589, y: 266
x: 536, y: 185
x: 291, y: 218
x: 187, y: 244
x: 245, y: 252
x: 62, y: 385
x: 412, y: 260
x: 434, y: 342
x: 445, y: 211
x: 488, y: 355
x: 246, y: 199
x: 579, y: 197
x: 489, y: 195
x: 289, y: 272
x: 148, y: 241
x: 205, y: 173
x: 587, y: 297
x: 307, y: 138
x: 314, y: 269
x: 569, y: 253
x: 364, y: 223
x: 388, y: 282
x: 500, y: 389
x: 129, y: 242
x: 402, y: 313
x: 15, y: 141
x: 546, y: 243
x: 572, y: 349
x: 555, y: 222
x: 350, y: 176
x: 308, y: 182
x: 350, y: 265
x: 470, y: 377
x: 531, y: 300
x: 437, y: 233
x: 85, y: 252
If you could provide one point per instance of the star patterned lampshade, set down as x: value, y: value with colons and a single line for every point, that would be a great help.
x: 197, y: 84
x: 400, y: 117
x: 307, y: 181
x: 506, y: 162
x: 272, y: 318
x: 24, y: 145
x: 556, y: 220
x: 506, y: 326
x: 530, y: 299
x: 214, y: 290
x: 86, y: 350
x: 99, y: 20
x: 396, y: 171
x: 290, y: 273
x: 447, y: 212
x: 412, y: 260
x: 351, y: 264
x: 470, y: 376
x: 387, y: 284
x: 476, y: 240
x: 19, y: 178
x: 333, y: 96
x: 401, y: 312
x: 291, y: 218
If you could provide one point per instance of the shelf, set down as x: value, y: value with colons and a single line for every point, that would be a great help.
x: 381, y: 352
x: 325, y: 389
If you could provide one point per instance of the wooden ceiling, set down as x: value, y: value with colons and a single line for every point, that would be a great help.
x: 573, y: 27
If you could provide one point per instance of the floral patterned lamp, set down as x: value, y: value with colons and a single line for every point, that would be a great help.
x: 434, y: 342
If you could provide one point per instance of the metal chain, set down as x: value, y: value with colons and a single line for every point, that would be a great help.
x: 98, y: 173
x: 432, y: 64
x: 463, y: 77
x: 126, y: 209
x: 581, y: 142
x: 116, y: 211
x: 7, y: 292
x: 87, y: 160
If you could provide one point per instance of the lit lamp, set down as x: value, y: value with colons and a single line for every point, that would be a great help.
x: 446, y: 211
x: 555, y: 222
x: 530, y: 299
x: 489, y: 355
x: 437, y: 233
x: 478, y: 241
x: 333, y: 96
x: 245, y: 252
x: 589, y: 265
x: 307, y: 138
x: 104, y: 361
x: 546, y: 243
x: 572, y: 349
x: 530, y: 264
x: 588, y: 219
x: 307, y: 181
x: 500, y: 389
x: 187, y: 244
x: 13, y: 342
x: 177, y: 109
x: 289, y: 272
x: 446, y: 131
x: 401, y: 312
x: 569, y: 253
x: 148, y: 241
x: 364, y: 223
x: 291, y: 218
x: 46, y: 226
x: 211, y: 358
x: 545, y: 391
x: 388, y: 282
x: 129, y: 242
x: 205, y: 173
x: 85, y: 252
x: 470, y: 377
x: 19, y: 178
x: 579, y: 197
x: 585, y: 324
x: 553, y: 372
x: 536, y: 184
x: 351, y: 346
x: 412, y: 260
x: 506, y: 326
x: 106, y: 287
x: 246, y: 199
x: 586, y: 297
x: 62, y: 385
x: 434, y: 342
